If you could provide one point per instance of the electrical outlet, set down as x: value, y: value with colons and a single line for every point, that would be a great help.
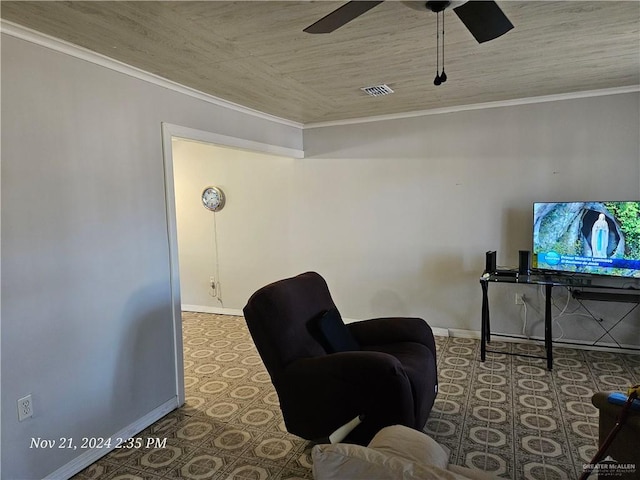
x: 519, y: 299
x: 25, y: 408
x: 212, y: 282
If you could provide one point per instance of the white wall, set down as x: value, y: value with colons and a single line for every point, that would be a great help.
x: 254, y: 239
x: 86, y: 300
x: 397, y: 214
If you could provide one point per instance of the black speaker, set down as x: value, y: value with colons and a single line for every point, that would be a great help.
x: 524, y: 265
x: 490, y: 264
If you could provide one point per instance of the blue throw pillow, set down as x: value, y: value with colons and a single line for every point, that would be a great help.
x: 334, y: 334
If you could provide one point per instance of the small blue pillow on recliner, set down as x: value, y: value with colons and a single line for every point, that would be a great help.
x: 333, y: 334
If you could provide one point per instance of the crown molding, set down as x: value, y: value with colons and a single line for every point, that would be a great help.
x: 67, y: 48
x: 479, y: 106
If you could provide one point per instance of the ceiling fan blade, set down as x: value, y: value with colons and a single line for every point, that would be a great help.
x: 341, y: 16
x: 484, y: 20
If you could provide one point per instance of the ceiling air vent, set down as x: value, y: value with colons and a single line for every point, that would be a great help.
x: 377, y: 90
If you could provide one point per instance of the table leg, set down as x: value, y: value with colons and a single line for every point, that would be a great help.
x: 484, y: 332
x: 548, y: 340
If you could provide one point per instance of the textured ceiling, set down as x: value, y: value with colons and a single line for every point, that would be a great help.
x: 255, y: 53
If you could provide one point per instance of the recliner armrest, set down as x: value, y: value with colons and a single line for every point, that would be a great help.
x: 353, y: 366
x: 381, y: 331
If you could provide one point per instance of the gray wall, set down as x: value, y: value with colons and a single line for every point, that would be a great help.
x: 86, y: 301
x: 432, y: 194
x: 397, y: 214
x: 414, y: 204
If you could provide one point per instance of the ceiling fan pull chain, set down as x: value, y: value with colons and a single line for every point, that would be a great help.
x: 437, y: 80
x: 443, y: 76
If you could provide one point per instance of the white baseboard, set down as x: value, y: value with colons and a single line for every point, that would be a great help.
x: 557, y: 342
x: 437, y: 331
x: 93, y: 455
x: 207, y: 309
x: 442, y: 332
x: 460, y: 333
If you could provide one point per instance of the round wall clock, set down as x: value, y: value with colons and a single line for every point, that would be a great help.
x: 213, y: 199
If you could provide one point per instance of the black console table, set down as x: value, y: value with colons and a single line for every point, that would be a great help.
x: 587, y: 287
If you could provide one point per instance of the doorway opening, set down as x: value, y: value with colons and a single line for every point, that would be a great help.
x: 202, y: 240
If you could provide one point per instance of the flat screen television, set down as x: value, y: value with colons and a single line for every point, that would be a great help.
x: 601, y: 238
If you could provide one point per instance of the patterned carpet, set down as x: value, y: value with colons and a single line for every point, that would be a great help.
x: 508, y: 415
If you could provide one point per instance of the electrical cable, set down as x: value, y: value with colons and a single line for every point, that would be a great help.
x: 562, y: 313
x: 437, y: 81
x: 524, y: 324
x: 443, y: 75
x: 216, y: 290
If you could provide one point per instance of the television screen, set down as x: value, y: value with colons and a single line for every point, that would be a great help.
x: 587, y: 237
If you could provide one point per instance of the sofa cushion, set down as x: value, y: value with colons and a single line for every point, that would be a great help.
x: 394, y: 452
x: 410, y: 444
x: 355, y: 462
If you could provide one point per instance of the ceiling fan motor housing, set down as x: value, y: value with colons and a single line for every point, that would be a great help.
x: 437, y: 6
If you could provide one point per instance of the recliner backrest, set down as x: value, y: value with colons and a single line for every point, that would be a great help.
x: 278, y: 317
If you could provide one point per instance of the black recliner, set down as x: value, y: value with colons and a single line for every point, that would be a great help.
x: 326, y: 373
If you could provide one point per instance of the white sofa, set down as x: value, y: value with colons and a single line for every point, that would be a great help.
x: 395, y: 453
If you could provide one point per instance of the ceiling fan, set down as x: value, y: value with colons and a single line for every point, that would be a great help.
x: 484, y: 19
